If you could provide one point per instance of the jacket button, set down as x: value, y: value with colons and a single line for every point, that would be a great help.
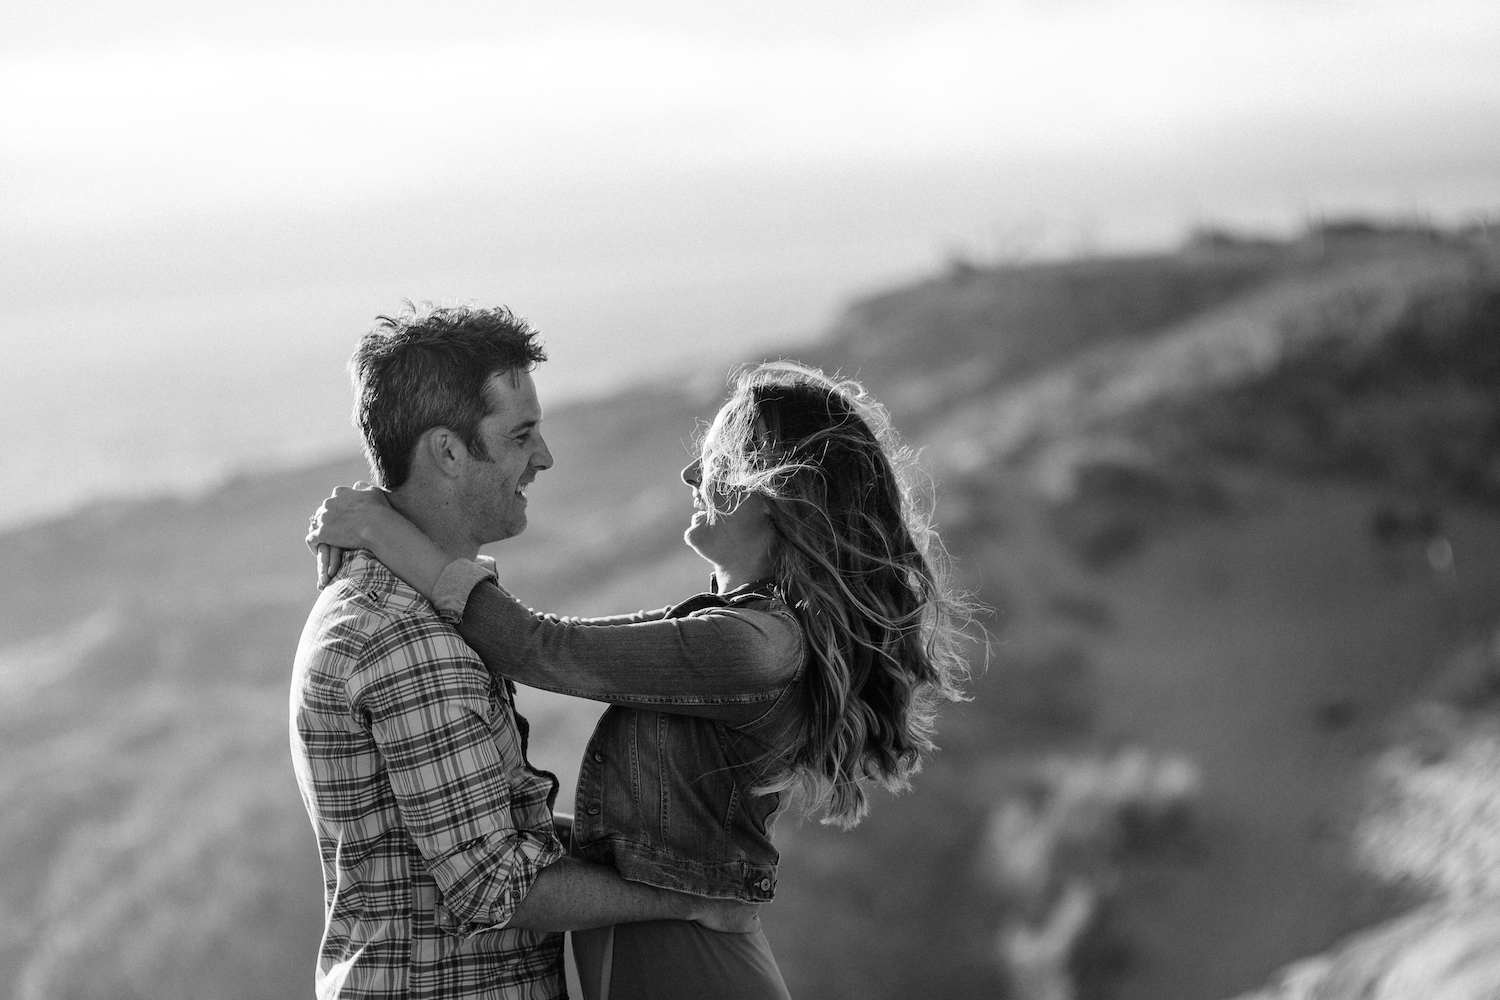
x: 765, y: 885
x: 599, y: 757
x: 593, y: 810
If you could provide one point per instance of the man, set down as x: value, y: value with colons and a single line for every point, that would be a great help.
x: 442, y: 876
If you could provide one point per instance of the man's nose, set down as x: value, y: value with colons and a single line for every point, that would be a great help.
x: 692, y: 473
x: 543, y: 457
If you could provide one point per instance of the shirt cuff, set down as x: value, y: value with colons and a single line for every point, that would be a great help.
x: 532, y: 855
x: 510, y: 872
x: 459, y: 577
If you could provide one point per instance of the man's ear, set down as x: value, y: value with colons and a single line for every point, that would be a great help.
x: 443, y: 450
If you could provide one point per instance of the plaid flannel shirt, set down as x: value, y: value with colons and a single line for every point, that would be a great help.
x: 431, y: 823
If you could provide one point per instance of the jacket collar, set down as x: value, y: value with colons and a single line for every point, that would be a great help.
x: 762, y: 586
x: 756, y: 590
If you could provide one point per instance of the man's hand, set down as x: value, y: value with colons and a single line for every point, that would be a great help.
x: 728, y: 916
x: 571, y: 894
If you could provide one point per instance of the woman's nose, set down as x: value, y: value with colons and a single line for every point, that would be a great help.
x: 692, y: 473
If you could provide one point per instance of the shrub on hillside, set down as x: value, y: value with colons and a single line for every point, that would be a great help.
x: 1417, y: 407
x: 1113, y: 507
x: 1433, y: 820
x: 1055, y: 851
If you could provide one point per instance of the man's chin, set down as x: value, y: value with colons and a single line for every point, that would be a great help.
x: 510, y: 529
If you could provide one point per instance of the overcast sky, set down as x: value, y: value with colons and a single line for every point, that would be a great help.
x: 170, y: 149
x: 120, y: 113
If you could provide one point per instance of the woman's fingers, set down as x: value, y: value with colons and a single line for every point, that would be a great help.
x: 313, y: 522
x: 330, y: 560
x: 372, y: 494
x: 332, y: 519
x: 339, y: 521
x: 361, y: 493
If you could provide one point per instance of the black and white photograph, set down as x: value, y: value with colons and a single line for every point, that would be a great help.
x: 988, y: 499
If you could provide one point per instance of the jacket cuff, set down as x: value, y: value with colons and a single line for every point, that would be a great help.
x: 459, y: 578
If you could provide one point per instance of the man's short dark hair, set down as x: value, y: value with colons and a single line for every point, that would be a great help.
x: 428, y: 367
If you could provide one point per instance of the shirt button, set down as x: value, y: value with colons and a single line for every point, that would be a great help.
x: 765, y: 885
x: 599, y: 757
x: 593, y: 810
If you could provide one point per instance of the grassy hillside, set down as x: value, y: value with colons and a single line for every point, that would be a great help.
x: 1232, y: 506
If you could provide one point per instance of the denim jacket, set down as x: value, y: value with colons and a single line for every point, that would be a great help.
x: 700, y: 694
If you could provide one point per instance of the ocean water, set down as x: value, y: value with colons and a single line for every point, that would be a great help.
x: 133, y: 398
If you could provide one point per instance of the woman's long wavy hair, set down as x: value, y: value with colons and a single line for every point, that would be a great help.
x: 855, y: 556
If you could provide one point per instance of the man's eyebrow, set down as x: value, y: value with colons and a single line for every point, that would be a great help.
x: 524, y: 425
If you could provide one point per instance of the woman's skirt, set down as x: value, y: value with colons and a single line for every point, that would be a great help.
x: 675, y: 960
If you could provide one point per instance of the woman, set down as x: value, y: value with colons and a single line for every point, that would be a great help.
x: 815, y: 663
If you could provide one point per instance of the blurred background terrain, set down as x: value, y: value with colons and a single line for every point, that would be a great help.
x: 1236, y: 508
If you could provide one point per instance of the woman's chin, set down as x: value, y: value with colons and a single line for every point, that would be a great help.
x: 693, y: 536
